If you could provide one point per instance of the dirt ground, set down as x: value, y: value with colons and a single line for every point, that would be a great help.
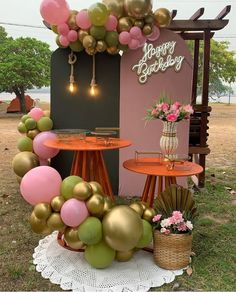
x: 16, y: 247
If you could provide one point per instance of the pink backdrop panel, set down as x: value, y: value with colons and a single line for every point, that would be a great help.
x: 135, y: 98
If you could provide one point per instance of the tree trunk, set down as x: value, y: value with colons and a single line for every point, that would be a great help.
x: 20, y: 94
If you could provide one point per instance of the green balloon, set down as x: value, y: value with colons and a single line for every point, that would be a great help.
x: 21, y: 128
x: 98, y: 32
x: 68, y: 185
x: 30, y: 124
x: 76, y: 46
x: 112, y: 38
x: 24, y: 118
x: 25, y: 144
x: 100, y: 255
x: 98, y: 14
x: 90, y: 231
x: 146, y: 238
x: 45, y: 124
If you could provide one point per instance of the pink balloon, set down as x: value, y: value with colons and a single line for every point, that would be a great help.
x: 36, y: 113
x: 63, y: 29
x: 64, y: 41
x: 154, y: 35
x: 124, y: 38
x: 112, y: 23
x: 55, y: 11
x: 82, y: 20
x: 43, y: 162
x: 40, y: 185
x: 74, y: 212
x: 136, y: 32
x: 72, y: 36
x: 40, y: 149
x: 133, y: 44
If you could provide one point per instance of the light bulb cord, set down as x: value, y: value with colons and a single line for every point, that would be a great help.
x: 72, y: 59
x: 93, y: 81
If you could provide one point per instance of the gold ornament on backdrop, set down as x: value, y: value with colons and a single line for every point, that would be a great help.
x: 124, y: 256
x: 57, y: 203
x: 24, y: 162
x: 115, y: 7
x: 163, y: 17
x: 138, y: 8
x: 122, y: 228
x: 82, y: 191
x: 42, y: 211
x: 72, y: 239
x: 95, y: 205
x: 125, y: 24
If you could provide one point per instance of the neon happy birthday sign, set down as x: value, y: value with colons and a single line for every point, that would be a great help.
x: 164, y: 59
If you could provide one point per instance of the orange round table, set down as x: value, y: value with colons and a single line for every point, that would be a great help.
x: 154, y: 167
x: 88, y: 161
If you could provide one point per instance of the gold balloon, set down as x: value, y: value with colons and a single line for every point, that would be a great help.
x: 122, y: 228
x: 54, y: 29
x: 47, y: 113
x: 149, y: 19
x: 125, y: 24
x: 96, y: 187
x: 24, y: 162
x: 124, y: 256
x: 139, y: 23
x: 82, y: 34
x: 147, y: 29
x: 163, y: 17
x: 89, y: 42
x: 115, y: 7
x: 148, y: 214
x: 91, y: 51
x: 19, y: 179
x: 101, y: 46
x: 108, y: 205
x: 95, y: 205
x: 138, y: 8
x: 57, y: 202
x: 137, y: 207
x: 72, y: 20
x: 42, y: 211
x: 144, y: 205
x: 39, y: 226
x: 33, y: 133
x: 55, y: 222
x: 113, y: 50
x: 72, y: 239
x: 82, y: 191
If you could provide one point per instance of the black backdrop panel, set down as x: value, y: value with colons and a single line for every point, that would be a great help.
x: 82, y: 111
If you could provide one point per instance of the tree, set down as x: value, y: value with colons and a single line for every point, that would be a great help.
x: 3, y: 35
x: 222, y: 68
x: 24, y: 64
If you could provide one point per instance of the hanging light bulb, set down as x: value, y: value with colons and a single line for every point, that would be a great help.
x: 93, y: 84
x: 71, y: 61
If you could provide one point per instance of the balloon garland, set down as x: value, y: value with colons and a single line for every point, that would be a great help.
x: 112, y: 26
x: 87, y: 218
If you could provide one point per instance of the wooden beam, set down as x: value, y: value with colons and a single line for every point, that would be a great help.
x: 199, y: 150
x: 173, y: 13
x: 194, y: 35
x: 224, y: 12
x: 195, y: 72
x: 198, y: 25
x: 197, y: 14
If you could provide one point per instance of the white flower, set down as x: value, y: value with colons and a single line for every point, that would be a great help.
x: 163, y: 230
x: 165, y: 223
x: 189, y: 225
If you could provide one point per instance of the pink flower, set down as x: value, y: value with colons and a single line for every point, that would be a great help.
x: 188, y: 108
x: 164, y: 107
x: 165, y: 231
x: 156, y: 218
x: 154, y: 112
x: 177, y: 217
x: 172, y: 118
x: 176, y: 106
x: 189, y: 225
x: 182, y: 227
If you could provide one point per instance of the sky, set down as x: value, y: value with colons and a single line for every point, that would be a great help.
x: 27, y: 12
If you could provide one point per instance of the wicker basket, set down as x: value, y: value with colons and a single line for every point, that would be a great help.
x: 172, y: 252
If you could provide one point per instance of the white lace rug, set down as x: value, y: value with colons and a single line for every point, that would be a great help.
x: 70, y: 270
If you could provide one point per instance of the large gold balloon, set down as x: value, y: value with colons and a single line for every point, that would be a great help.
x: 163, y: 17
x: 122, y: 228
x: 138, y: 8
x: 125, y: 24
x: 89, y: 42
x: 137, y: 207
x: 72, y: 239
x: 72, y: 20
x: 124, y: 256
x: 57, y: 202
x: 95, y: 205
x: 148, y: 214
x: 39, y: 226
x: 96, y: 187
x: 24, y: 162
x: 33, y: 133
x: 115, y: 7
x: 82, y: 191
x: 55, y: 222
x: 42, y: 211
x: 101, y: 47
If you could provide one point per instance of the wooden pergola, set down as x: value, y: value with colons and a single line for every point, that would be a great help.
x: 197, y: 30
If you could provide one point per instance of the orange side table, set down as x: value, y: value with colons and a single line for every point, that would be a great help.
x: 88, y: 161
x: 154, y: 167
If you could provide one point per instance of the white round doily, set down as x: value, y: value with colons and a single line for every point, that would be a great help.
x: 70, y: 270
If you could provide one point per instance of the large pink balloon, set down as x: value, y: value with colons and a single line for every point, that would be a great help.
x: 40, y: 149
x: 112, y: 23
x: 55, y: 11
x: 40, y: 185
x: 83, y: 20
x: 36, y: 113
x: 74, y: 212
